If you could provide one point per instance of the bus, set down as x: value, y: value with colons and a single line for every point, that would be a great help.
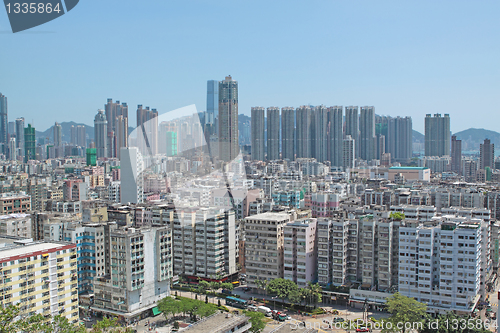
x: 236, y: 302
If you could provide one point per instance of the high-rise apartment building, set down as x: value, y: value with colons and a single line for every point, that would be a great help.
x: 442, y: 264
x: 300, y: 252
x: 304, y: 132
x: 288, y: 133
x: 335, y: 135
x: 264, y: 246
x: 20, y: 135
x: 29, y: 143
x: 4, y: 120
x: 258, y: 134
x: 437, y: 135
x: 273, y: 133
x: 141, y: 269
x: 100, y: 134
x: 167, y: 138
x: 486, y: 155
x: 352, y: 125
x: 399, y: 140
x: 228, y: 119
x: 81, y: 139
x: 12, y: 149
x: 348, y: 152
x: 367, y: 133
x: 117, y: 127
x: 212, y: 101
x: 204, y: 243
x: 132, y: 178
x: 456, y: 155
x: 39, y: 277
x: 147, y: 130
x: 320, y: 139
x: 57, y: 134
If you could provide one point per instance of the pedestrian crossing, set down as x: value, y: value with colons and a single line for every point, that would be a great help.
x: 494, y: 304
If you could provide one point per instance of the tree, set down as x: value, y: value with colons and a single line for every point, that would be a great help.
x: 281, y: 288
x: 397, y: 216
x: 315, y: 292
x: 305, y: 295
x: 169, y: 305
x: 403, y: 310
x: 295, y: 297
x: 7, y: 316
x: 257, y: 320
x: 262, y: 284
x: 203, y: 286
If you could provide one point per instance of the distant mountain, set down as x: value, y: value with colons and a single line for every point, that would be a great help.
x: 66, y: 131
x: 418, y: 137
x: 473, y: 137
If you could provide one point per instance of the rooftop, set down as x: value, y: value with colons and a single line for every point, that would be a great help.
x: 271, y: 216
x: 217, y: 323
x: 408, y: 168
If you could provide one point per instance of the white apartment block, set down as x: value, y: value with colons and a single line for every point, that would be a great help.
x: 16, y: 225
x: 114, y: 191
x: 140, y: 272
x: 412, y: 212
x: 40, y: 277
x: 300, y: 259
x: 264, y: 246
x: 205, y: 243
x: 441, y: 264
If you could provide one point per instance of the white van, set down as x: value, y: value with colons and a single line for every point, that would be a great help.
x: 265, y: 310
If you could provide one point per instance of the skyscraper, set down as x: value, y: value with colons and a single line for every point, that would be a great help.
x: 456, y: 155
x: 258, y: 143
x: 166, y: 140
x: 320, y: 143
x: 12, y: 149
x: 212, y: 101
x: 351, y: 125
x: 114, y: 110
x: 288, y: 133
x: 81, y: 136
x: 486, y: 155
x: 304, y: 132
x: 399, y: 140
x: 437, y: 135
x: 20, y: 135
x: 349, y: 152
x: 57, y: 133
x: 131, y: 175
x: 4, y: 130
x: 147, y: 130
x: 367, y: 133
x: 228, y: 119
x: 100, y: 134
x: 335, y: 136
x: 73, y: 134
x: 121, y: 133
x: 273, y: 133
x: 29, y: 143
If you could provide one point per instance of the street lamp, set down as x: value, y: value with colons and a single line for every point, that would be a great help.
x: 274, y: 299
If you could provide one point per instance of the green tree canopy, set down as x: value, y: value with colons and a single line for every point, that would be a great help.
x: 451, y: 323
x: 397, y: 216
x: 281, y: 287
x: 257, y: 320
x: 404, y: 310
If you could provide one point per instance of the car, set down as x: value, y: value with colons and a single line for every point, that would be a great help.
x: 251, y: 308
x: 87, y: 319
x: 247, y: 289
x: 363, y: 329
x: 338, y: 319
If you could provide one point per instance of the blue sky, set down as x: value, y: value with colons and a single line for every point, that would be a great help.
x: 403, y: 57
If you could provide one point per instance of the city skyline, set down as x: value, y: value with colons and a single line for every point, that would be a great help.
x: 442, y: 66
